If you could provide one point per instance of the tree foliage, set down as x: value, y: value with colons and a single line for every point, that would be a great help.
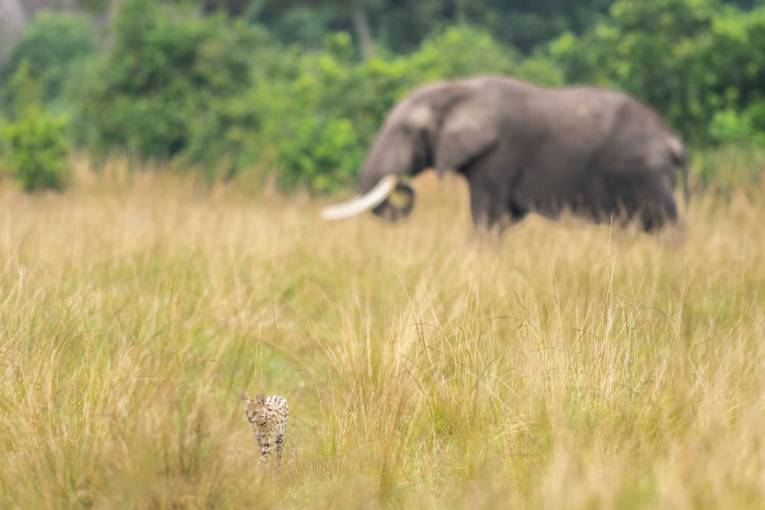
x: 165, y: 66
x: 55, y: 48
x: 34, y: 143
x: 38, y: 149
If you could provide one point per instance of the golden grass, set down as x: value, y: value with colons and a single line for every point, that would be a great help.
x: 565, y: 366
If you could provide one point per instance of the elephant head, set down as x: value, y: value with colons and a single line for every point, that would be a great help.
x: 425, y: 130
x: 395, y: 156
x: 399, y: 151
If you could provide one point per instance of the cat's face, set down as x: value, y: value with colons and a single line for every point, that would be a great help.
x: 255, y: 409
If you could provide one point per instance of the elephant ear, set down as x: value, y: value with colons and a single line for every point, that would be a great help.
x: 468, y: 132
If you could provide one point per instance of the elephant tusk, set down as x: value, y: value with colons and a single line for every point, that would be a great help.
x: 363, y: 203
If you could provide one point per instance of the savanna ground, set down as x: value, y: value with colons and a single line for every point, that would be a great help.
x: 565, y: 366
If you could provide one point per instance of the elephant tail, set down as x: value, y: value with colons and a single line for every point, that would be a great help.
x: 686, y: 185
x: 680, y: 158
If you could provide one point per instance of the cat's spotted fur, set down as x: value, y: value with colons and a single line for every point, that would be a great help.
x: 268, y: 416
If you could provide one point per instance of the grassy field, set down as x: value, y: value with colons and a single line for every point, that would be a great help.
x: 565, y: 366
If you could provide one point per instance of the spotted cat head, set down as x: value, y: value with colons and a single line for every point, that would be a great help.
x: 255, y: 408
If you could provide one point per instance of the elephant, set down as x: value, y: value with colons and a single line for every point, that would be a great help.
x: 525, y: 148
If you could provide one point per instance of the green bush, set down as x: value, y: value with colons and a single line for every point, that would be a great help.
x: 312, y: 116
x: 225, y: 138
x: 461, y: 51
x: 166, y: 71
x: 38, y: 148
x: 730, y: 126
x: 4, y: 151
x: 55, y: 48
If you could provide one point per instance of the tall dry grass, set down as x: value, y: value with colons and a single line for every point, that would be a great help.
x: 564, y: 366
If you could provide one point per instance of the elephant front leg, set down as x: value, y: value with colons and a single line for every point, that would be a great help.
x: 492, y: 179
x: 488, y: 207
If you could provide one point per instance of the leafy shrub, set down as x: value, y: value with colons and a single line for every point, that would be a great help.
x: 164, y: 72
x: 461, y: 51
x: 311, y: 112
x: 756, y: 115
x: 55, y: 48
x: 730, y: 126
x: 38, y: 148
x: 226, y: 137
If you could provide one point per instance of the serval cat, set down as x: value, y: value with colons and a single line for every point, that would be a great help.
x: 268, y: 416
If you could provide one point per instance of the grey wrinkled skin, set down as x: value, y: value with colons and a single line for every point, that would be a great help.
x: 524, y: 148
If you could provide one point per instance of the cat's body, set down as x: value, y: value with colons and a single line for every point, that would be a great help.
x: 268, y: 416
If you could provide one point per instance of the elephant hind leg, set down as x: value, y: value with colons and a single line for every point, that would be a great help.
x: 643, y: 197
x: 659, y: 210
x: 655, y: 216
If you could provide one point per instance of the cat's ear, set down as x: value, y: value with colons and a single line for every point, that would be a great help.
x: 261, y: 398
x: 245, y: 396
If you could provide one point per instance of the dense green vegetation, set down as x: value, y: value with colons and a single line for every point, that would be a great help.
x: 300, y: 88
